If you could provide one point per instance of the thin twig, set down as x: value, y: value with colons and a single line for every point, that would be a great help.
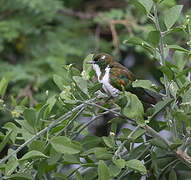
x: 111, y: 110
x: 71, y: 121
x: 88, y: 123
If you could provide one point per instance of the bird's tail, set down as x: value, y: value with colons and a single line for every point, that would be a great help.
x: 145, y: 97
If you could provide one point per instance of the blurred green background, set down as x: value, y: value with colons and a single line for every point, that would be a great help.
x: 38, y: 37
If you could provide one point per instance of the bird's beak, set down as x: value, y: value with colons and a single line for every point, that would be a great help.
x: 90, y: 62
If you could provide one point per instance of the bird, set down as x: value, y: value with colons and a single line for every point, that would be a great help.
x: 115, y: 77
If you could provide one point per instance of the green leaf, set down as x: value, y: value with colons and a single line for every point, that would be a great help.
x: 65, y: 145
x: 102, y: 153
x: 30, y: 116
x: 179, y: 60
x: 121, y: 163
x: 171, y: 65
x: 54, y: 156
x: 66, y: 95
x: 136, y: 165
x: 171, y: 15
x: 145, y: 5
x: 173, y: 88
x: 138, y: 150
x: 168, y: 3
x: 167, y: 71
x: 140, y: 42
x: 3, y: 86
x: 161, y: 106
x: 71, y: 159
x: 58, y: 81
x: 178, y: 48
x: 24, y: 101
x: 159, y: 143
x: 13, y: 128
x: 42, y: 114
x: 90, y: 141
x: 114, y: 170
x: 109, y: 141
x: 176, y: 144
x: 19, y: 176
x: 82, y: 83
x: 172, y: 175
x: 185, y: 71
x: 134, y: 41
x: 42, y: 165
x: 78, y: 176
x: 146, y: 84
x: 13, y: 101
x: 153, y: 38
x: 134, y: 108
x: 87, y: 68
x: 184, y: 89
x: 137, y: 134
x: 11, y: 165
x: 103, y: 171
x: 5, y: 140
x: 51, y: 102
x: 37, y: 145
x: 95, y: 87
x: 27, y: 130
x: 33, y: 154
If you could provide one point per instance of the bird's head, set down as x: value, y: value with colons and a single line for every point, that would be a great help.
x: 103, y: 60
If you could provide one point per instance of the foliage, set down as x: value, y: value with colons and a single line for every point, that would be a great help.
x: 51, y: 141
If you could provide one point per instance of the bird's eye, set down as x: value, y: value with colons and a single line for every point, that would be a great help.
x: 96, y: 59
x: 99, y: 58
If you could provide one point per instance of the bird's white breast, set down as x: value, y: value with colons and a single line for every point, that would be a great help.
x: 108, y: 88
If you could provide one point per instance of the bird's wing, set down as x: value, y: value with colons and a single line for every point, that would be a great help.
x: 121, y: 77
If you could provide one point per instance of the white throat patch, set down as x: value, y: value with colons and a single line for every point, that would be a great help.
x: 108, y: 88
x: 97, y: 70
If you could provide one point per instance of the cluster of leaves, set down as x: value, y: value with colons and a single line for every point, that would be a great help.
x: 57, y: 135
x: 52, y: 140
x: 36, y: 40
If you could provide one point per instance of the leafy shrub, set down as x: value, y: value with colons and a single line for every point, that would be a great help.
x: 49, y: 141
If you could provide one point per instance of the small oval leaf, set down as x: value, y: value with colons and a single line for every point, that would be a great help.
x: 33, y: 154
x: 136, y: 165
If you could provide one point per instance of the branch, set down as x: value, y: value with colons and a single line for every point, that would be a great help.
x: 155, y: 134
x: 70, y: 122
x: 88, y: 123
x: 111, y: 110
x: 53, y: 124
x: 183, y: 156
